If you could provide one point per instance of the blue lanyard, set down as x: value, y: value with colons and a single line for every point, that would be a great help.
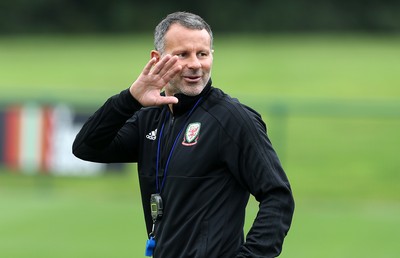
x: 158, y: 188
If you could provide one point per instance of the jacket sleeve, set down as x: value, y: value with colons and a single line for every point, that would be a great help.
x: 255, y: 165
x: 110, y: 134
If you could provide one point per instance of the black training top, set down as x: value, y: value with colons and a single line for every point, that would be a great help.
x: 222, y: 155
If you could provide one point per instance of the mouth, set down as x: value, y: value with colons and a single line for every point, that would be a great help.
x: 192, y: 79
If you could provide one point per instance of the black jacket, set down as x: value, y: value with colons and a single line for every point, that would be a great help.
x: 222, y: 158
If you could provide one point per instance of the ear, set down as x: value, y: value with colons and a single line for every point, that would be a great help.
x: 155, y: 54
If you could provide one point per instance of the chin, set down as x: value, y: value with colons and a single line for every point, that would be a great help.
x: 187, y: 89
x: 192, y: 91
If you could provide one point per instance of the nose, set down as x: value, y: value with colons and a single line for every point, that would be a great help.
x: 193, y: 62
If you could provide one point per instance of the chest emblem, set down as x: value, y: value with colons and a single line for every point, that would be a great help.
x: 191, y: 134
x: 152, y: 135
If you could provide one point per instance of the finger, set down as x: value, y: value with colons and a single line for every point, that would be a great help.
x: 165, y: 100
x: 168, y: 65
x: 149, y: 65
x: 172, y: 72
x: 157, y: 68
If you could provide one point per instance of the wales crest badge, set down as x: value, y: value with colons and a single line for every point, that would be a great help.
x: 191, y: 134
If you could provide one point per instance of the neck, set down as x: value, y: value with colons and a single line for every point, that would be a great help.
x: 167, y: 93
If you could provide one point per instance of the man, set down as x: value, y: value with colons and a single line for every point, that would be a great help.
x: 200, y: 153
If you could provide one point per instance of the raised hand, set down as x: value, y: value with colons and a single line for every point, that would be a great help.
x: 154, y: 77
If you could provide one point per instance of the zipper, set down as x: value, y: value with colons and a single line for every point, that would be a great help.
x: 167, y: 144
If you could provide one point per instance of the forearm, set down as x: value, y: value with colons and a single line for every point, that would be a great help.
x: 99, y: 134
x: 266, y: 236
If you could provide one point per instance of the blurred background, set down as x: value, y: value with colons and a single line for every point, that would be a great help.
x: 325, y: 75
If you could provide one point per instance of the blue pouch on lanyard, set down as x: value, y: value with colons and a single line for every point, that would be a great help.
x: 150, y: 244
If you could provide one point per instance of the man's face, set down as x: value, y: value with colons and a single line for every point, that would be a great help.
x: 193, y: 48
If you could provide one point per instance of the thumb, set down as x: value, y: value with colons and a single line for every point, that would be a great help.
x: 165, y: 100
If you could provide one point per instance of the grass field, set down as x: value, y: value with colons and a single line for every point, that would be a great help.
x: 338, y: 140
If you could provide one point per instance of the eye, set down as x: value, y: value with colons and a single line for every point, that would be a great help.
x: 202, y: 54
x: 181, y: 55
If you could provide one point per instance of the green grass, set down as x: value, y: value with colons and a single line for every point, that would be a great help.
x: 338, y: 140
x: 70, y: 217
x: 101, y: 217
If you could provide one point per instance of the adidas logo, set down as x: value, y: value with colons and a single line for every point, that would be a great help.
x: 152, y: 135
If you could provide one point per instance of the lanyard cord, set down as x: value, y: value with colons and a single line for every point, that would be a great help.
x: 158, y: 187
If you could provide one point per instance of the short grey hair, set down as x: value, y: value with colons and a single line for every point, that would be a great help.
x: 186, y: 19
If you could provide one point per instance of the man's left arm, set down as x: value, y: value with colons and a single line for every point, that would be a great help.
x: 259, y: 170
